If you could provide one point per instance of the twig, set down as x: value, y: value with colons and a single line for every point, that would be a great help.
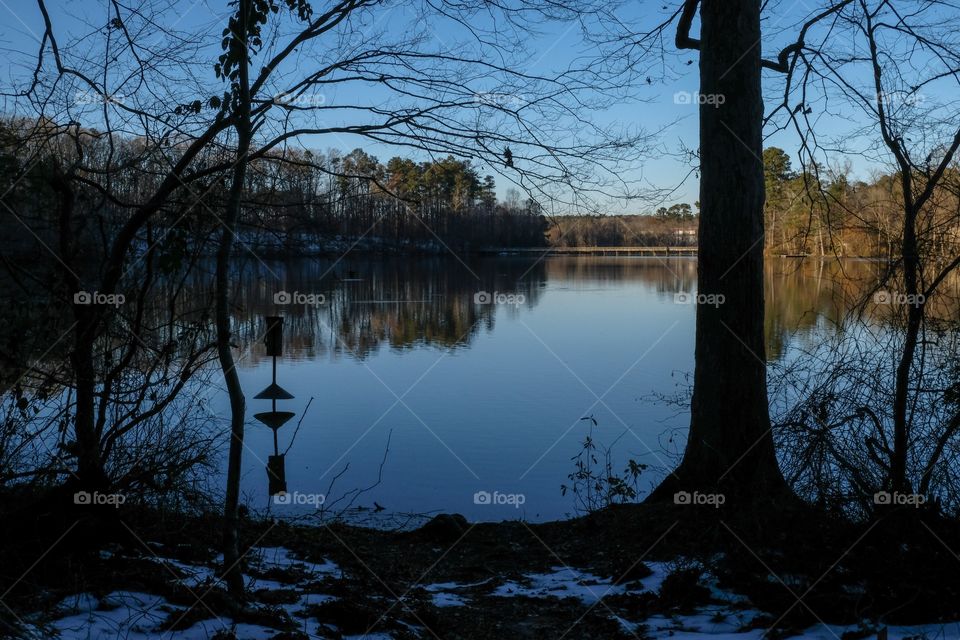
x: 297, y: 430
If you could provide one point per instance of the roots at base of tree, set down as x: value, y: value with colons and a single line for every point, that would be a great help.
x: 753, y: 489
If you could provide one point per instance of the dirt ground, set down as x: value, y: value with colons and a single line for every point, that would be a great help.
x: 794, y: 570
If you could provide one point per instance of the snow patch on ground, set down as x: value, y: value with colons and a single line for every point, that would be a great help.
x: 728, y: 619
x: 138, y: 616
x: 563, y: 582
x: 708, y: 622
x: 454, y: 586
x: 135, y: 616
x: 283, y: 558
x: 441, y: 596
x: 448, y: 600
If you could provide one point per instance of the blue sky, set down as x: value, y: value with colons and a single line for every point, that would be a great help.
x: 652, y: 106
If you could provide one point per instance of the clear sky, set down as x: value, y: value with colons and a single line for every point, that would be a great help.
x: 659, y: 102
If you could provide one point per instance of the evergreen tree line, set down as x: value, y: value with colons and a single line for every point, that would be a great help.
x: 294, y: 200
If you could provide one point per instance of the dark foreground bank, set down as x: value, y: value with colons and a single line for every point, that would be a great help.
x: 636, y: 571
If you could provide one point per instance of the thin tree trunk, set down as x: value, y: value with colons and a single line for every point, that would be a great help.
x: 911, y: 258
x: 90, y: 475
x: 231, y: 545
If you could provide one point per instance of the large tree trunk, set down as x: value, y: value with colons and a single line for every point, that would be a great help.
x: 730, y: 446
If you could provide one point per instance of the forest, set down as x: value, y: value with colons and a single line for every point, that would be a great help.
x: 305, y: 202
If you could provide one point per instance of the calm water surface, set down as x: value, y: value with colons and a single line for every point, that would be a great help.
x: 478, y: 397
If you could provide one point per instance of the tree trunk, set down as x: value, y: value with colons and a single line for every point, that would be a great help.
x: 91, y: 475
x: 231, y: 545
x: 730, y: 445
x: 911, y: 269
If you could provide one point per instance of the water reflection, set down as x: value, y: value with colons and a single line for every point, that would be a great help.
x: 479, y: 374
x: 368, y: 304
x: 478, y: 397
x: 405, y: 303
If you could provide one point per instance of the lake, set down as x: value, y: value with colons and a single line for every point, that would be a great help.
x: 484, y: 375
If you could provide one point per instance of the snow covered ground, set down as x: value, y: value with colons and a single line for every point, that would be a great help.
x: 137, y: 616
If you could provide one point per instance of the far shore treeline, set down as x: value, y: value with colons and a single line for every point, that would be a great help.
x: 309, y: 202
